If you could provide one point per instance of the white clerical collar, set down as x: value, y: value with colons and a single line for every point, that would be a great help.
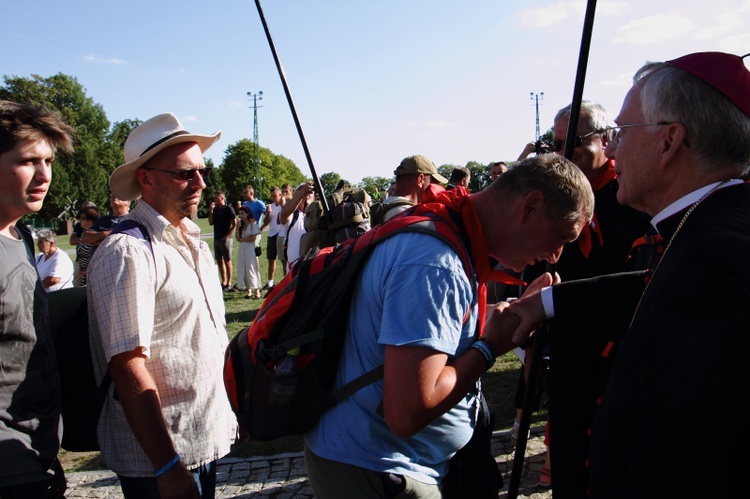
x: 687, y: 200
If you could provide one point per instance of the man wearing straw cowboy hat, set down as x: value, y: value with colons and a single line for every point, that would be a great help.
x: 157, y: 318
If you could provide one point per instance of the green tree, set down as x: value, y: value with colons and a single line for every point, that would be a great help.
x: 480, y: 176
x: 375, y: 186
x: 238, y: 170
x: 445, y: 170
x: 81, y: 175
x: 329, y: 181
x: 213, y: 184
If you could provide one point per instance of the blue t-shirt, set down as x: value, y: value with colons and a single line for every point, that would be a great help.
x: 413, y: 291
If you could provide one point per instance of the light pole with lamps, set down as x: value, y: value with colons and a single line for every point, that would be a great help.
x: 256, y: 157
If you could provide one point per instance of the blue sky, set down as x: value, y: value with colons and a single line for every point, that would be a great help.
x: 372, y: 81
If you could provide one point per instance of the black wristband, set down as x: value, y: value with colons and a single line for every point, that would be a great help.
x: 490, y: 344
x: 482, y: 348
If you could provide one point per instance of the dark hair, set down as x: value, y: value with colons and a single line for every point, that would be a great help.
x: 90, y: 213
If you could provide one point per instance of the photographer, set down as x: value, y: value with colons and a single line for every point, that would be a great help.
x: 538, y: 147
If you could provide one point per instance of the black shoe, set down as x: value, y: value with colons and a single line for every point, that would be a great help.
x: 267, y: 287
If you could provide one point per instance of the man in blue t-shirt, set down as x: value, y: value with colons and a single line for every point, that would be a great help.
x: 256, y: 206
x: 414, y: 311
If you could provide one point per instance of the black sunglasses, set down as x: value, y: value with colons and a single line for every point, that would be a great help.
x: 185, y: 175
x: 557, y: 145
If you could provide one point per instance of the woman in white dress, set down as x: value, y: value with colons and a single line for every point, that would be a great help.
x: 248, y: 271
x: 55, y: 268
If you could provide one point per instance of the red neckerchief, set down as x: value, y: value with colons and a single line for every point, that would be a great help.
x: 458, y: 200
x: 585, y: 238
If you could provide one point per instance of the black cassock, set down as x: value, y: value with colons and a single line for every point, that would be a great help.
x: 669, y: 423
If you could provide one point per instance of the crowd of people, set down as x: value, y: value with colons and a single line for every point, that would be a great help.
x: 632, y: 258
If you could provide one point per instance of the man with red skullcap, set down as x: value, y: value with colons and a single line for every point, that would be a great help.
x: 681, y: 145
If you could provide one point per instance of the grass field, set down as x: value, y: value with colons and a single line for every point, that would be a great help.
x: 499, y: 384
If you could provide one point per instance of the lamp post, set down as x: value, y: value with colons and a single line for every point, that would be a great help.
x: 536, y: 97
x: 256, y: 156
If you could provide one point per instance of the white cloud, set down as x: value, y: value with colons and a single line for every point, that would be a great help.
x: 623, y: 79
x: 235, y: 104
x: 561, y: 11
x: 437, y: 124
x: 654, y: 29
x: 103, y: 60
x: 543, y: 17
x: 737, y: 44
x: 190, y: 118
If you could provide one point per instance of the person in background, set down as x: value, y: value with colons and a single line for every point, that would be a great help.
x: 88, y: 217
x: 256, y: 206
x: 497, y: 169
x: 119, y: 209
x: 413, y: 177
x: 276, y: 233
x: 248, y: 273
x: 293, y: 217
x: 54, y: 266
x: 460, y: 176
x: 77, y: 230
x: 681, y: 146
x: 222, y: 217
x: 604, y: 247
x: 157, y: 324
x: 30, y: 396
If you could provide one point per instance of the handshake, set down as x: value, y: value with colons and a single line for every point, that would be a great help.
x: 510, y: 324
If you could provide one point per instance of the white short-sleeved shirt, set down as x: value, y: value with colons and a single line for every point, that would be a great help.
x: 274, y: 228
x: 58, y: 265
x: 169, y: 304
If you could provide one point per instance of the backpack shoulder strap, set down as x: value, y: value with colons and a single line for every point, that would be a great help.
x: 133, y: 228
x: 295, y: 216
x: 25, y: 235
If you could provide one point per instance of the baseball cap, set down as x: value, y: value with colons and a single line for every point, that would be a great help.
x: 419, y: 164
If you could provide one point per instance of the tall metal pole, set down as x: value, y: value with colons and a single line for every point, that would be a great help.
x: 535, y: 98
x: 318, y: 185
x: 256, y: 153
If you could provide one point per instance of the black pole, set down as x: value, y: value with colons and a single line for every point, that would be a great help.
x: 583, y: 61
x: 316, y: 180
x: 541, y: 337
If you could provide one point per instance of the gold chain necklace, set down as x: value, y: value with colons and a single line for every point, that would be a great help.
x: 671, y: 239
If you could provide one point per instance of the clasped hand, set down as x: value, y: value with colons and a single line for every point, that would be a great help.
x: 511, y: 324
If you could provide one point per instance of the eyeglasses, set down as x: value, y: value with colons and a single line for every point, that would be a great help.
x: 613, y: 132
x: 557, y: 145
x: 185, y: 175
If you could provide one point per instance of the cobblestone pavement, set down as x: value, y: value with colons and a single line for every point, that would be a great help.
x: 283, y: 476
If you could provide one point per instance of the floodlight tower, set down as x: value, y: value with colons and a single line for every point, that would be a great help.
x: 536, y: 98
x: 256, y: 157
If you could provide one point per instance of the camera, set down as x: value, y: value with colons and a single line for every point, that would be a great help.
x: 542, y: 147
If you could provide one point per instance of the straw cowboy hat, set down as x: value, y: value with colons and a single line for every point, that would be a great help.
x: 143, y: 143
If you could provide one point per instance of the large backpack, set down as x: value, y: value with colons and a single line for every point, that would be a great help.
x: 349, y: 217
x: 379, y: 210
x: 306, y: 315
x: 69, y: 327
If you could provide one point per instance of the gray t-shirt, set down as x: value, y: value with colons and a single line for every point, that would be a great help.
x: 30, y: 398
